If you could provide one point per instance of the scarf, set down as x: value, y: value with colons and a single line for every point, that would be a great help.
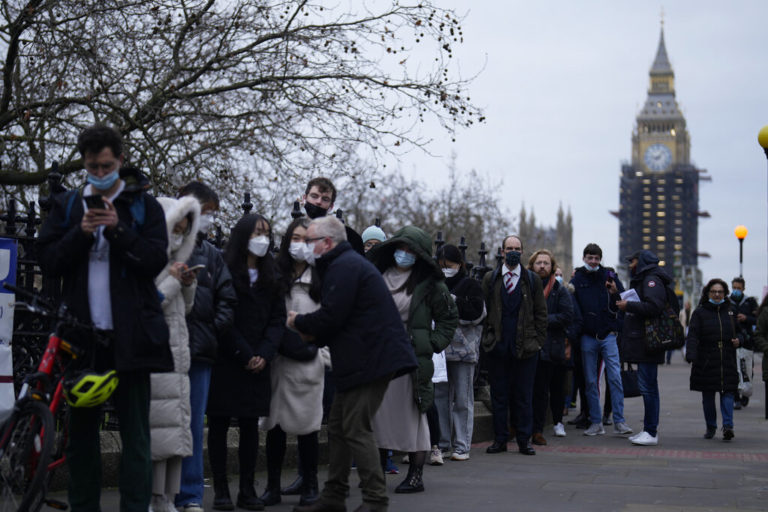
x: 548, y: 287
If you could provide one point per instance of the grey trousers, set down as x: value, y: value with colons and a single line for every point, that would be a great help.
x: 455, y: 402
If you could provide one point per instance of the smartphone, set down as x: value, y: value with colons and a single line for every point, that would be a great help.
x: 95, y: 202
x: 193, y: 268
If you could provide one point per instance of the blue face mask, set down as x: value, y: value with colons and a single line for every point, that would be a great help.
x: 404, y: 259
x: 716, y: 302
x: 559, y: 279
x: 105, y: 182
x: 591, y: 268
x: 737, y: 294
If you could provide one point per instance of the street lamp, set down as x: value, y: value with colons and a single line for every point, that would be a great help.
x: 762, y: 139
x: 741, y: 234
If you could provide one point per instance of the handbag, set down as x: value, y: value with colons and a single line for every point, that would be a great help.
x: 629, y: 381
x: 664, y: 332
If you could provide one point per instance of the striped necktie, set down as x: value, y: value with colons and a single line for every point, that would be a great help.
x: 508, y: 282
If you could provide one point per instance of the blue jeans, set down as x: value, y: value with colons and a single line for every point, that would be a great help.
x: 192, y: 467
x: 647, y: 380
x: 710, y: 413
x: 590, y: 349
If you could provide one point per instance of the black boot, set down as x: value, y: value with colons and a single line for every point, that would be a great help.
x: 247, y: 498
x: 412, y: 482
x: 221, y: 499
x: 271, y: 494
x: 294, y: 487
x: 309, y: 490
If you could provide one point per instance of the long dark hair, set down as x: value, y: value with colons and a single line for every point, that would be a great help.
x: 705, y: 291
x: 285, y: 263
x: 236, y: 255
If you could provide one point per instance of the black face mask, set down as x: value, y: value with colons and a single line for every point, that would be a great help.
x: 314, y: 211
x: 512, y: 258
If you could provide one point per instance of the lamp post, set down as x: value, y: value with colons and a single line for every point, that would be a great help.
x: 762, y: 139
x: 741, y: 234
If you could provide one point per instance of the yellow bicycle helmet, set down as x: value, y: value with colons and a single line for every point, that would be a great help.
x: 89, y: 389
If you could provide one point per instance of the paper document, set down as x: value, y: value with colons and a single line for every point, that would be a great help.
x: 630, y: 295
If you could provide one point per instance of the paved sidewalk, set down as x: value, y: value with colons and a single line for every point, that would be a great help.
x: 604, y: 473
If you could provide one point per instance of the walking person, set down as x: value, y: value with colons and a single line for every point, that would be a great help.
x: 651, y: 283
x: 745, y: 311
x: 761, y: 335
x: 240, y: 383
x: 430, y: 317
x: 297, y: 373
x: 549, y: 384
x: 711, y: 348
x: 169, y: 408
x: 456, y: 409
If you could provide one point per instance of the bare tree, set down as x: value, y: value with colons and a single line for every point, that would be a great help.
x: 239, y: 93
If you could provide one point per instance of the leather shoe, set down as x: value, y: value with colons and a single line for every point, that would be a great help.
x: 581, y: 418
x: 496, y: 447
x: 539, y: 440
x: 526, y: 448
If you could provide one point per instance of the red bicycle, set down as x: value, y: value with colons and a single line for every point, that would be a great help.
x: 33, y: 438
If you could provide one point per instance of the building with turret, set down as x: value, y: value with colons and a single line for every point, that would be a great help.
x: 558, y: 239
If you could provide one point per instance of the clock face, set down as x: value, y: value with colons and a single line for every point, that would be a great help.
x: 658, y: 157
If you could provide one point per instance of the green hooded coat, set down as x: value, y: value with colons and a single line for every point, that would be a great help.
x: 431, y: 302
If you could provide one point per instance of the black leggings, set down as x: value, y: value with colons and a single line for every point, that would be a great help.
x: 217, y: 445
x: 308, y: 450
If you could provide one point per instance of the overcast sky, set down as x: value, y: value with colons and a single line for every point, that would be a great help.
x: 562, y: 84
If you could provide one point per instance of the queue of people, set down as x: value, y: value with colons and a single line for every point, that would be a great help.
x: 249, y: 336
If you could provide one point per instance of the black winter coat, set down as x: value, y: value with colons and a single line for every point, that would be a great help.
x: 137, y: 253
x: 599, y: 315
x: 650, y: 282
x: 559, y: 319
x: 258, y: 326
x: 748, y: 307
x: 215, y: 301
x: 358, y: 320
x: 709, y: 346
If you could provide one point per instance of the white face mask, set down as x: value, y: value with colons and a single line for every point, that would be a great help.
x: 205, y: 224
x: 258, y: 246
x: 450, y: 272
x: 176, y: 241
x: 298, y: 251
x: 310, y: 256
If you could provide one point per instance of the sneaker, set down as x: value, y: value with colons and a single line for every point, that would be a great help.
x: 460, y: 456
x: 646, y: 439
x: 622, y: 429
x: 559, y: 430
x: 727, y: 434
x: 193, y: 507
x: 595, y: 429
x: 632, y: 438
x: 390, y: 468
x: 436, y: 457
x: 406, y: 459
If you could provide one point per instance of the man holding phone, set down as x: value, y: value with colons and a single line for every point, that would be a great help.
x: 108, y: 250
x: 597, y: 290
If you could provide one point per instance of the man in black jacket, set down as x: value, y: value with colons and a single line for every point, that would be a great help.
x: 108, y: 258
x: 361, y: 325
x: 745, y: 309
x: 211, y: 315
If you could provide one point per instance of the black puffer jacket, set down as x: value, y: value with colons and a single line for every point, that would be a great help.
x: 559, y: 320
x: 650, y: 282
x: 709, y: 347
x: 215, y: 301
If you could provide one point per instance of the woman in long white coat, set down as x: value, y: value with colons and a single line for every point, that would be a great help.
x: 298, y: 373
x: 169, y: 410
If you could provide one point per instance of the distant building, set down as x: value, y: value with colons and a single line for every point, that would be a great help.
x: 659, y: 188
x: 558, y: 239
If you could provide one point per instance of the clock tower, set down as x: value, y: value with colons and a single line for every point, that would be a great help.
x: 659, y: 188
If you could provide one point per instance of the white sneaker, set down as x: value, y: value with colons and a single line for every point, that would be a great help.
x: 559, y: 430
x: 193, y: 507
x: 436, y: 457
x: 632, y: 438
x: 621, y: 429
x: 406, y: 459
x: 646, y: 439
x: 460, y: 456
x: 595, y: 429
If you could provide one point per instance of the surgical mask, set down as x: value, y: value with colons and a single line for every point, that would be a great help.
x: 298, y: 251
x: 404, y: 259
x: 716, y: 302
x: 314, y: 211
x: 590, y: 268
x: 512, y: 259
x: 205, y: 224
x: 176, y: 242
x: 105, y: 182
x: 737, y: 294
x: 258, y: 246
x: 309, y: 256
x: 559, y: 279
x: 450, y: 272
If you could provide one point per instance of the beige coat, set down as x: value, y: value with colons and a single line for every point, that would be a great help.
x: 170, y: 410
x: 297, y: 386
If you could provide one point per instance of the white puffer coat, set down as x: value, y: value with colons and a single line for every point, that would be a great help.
x: 297, y: 386
x: 169, y: 410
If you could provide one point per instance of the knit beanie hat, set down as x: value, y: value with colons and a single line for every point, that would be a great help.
x: 450, y: 253
x: 374, y: 233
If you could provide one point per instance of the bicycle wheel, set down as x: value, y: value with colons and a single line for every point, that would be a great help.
x: 26, y: 442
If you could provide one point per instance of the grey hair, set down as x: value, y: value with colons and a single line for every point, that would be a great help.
x: 330, y: 227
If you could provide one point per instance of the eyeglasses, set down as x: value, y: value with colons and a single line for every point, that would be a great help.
x: 309, y: 240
